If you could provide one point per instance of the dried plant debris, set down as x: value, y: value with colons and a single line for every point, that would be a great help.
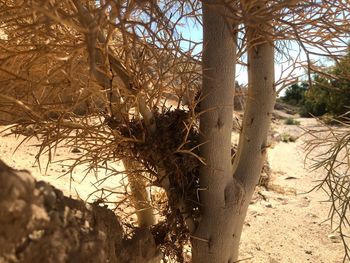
x: 169, y: 148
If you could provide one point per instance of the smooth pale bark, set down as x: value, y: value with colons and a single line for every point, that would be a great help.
x: 253, y: 138
x: 252, y: 147
x: 229, y: 189
x: 212, y: 242
x: 140, y: 198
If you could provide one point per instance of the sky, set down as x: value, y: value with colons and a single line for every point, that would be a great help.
x: 194, y: 33
x: 283, y: 65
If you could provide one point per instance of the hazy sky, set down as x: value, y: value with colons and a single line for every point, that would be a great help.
x: 194, y: 33
x: 283, y: 65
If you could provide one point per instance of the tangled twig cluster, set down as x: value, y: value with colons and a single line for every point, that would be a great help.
x: 173, y: 148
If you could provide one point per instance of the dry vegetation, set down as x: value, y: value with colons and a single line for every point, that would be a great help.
x: 286, y: 207
x: 98, y: 76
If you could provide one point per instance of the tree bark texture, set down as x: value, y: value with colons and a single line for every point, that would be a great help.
x: 140, y: 198
x: 253, y: 138
x: 212, y: 242
x: 252, y: 147
x: 226, y: 190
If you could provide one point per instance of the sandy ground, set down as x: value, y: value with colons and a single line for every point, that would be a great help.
x: 284, y: 224
x: 287, y: 224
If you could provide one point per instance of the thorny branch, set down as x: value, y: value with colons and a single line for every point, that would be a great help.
x: 118, y: 79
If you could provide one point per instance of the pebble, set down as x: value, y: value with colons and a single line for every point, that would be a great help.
x: 76, y: 150
x: 268, y: 205
x: 334, y: 238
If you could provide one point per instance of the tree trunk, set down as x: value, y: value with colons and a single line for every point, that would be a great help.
x: 226, y: 191
x: 252, y: 147
x: 253, y: 138
x: 140, y: 198
x: 212, y: 242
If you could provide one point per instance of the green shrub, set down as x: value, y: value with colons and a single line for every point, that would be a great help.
x: 291, y: 121
x: 312, y: 107
x: 329, y: 93
x: 286, y: 137
x: 294, y: 94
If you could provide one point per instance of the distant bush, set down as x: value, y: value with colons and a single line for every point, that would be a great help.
x: 315, y: 99
x: 311, y: 101
x: 291, y: 121
x: 328, y: 93
x: 286, y: 137
x: 294, y: 94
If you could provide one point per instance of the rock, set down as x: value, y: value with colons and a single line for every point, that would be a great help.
x: 76, y: 150
x: 290, y: 178
x: 334, y: 238
x: 268, y: 205
x: 284, y: 202
x: 312, y: 215
x: 39, y: 224
x: 304, y: 202
x: 275, y: 137
x: 48, y: 193
x: 253, y: 201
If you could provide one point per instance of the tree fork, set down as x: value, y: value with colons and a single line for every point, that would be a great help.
x: 226, y: 201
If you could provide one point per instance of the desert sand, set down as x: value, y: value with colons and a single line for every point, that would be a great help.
x: 285, y: 223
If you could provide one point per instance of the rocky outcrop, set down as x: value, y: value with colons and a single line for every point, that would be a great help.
x: 39, y: 224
